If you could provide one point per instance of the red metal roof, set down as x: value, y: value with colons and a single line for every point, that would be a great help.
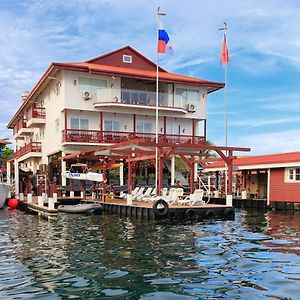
x: 268, y: 159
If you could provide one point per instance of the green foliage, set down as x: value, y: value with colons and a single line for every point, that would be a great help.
x: 7, y: 152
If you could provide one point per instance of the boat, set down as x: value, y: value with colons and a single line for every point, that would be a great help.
x: 4, y: 190
x: 79, y: 208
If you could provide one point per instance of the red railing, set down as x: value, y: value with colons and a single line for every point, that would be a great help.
x: 19, y: 125
x: 36, y: 112
x: 31, y: 147
x: 94, y: 136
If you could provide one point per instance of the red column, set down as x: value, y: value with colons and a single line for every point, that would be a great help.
x: 66, y: 124
x: 229, y: 176
x: 193, y: 130
x: 192, y: 174
x: 101, y: 126
x: 244, y: 179
x: 160, y: 175
x: 104, y: 184
x: 129, y: 183
x: 165, y: 129
x: 134, y: 124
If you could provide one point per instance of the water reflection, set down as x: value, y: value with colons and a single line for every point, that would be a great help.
x: 256, y: 256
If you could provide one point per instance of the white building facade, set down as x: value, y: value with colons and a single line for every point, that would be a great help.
x: 105, y: 100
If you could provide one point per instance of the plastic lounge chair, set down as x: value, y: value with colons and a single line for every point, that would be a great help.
x: 139, y: 193
x: 171, y: 198
x: 124, y: 196
x: 153, y: 196
x: 193, y: 198
x: 146, y: 194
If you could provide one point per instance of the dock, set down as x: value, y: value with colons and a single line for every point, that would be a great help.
x: 137, y: 209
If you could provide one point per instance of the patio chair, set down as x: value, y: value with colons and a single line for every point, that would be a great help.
x: 172, y: 197
x: 146, y: 194
x: 193, y: 198
x: 124, y: 195
x: 139, y: 192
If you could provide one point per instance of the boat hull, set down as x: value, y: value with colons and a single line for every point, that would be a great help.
x: 78, y: 209
x: 4, y: 190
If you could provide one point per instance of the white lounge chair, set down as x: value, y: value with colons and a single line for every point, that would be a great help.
x: 172, y: 197
x: 124, y: 195
x: 139, y: 193
x: 146, y: 194
x: 193, y: 198
x: 153, y: 196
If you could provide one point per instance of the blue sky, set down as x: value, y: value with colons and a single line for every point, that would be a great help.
x: 263, y: 41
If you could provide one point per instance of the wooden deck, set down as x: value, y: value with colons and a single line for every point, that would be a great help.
x: 138, y: 209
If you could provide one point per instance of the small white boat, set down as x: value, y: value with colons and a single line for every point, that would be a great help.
x: 78, y: 208
x: 4, y: 190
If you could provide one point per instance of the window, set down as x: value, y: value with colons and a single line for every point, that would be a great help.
x: 186, y: 96
x: 110, y: 125
x: 77, y: 123
x: 292, y: 174
x: 57, y: 125
x: 143, y: 127
x: 127, y: 59
x: 91, y: 85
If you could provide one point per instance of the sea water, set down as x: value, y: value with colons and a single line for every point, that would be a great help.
x: 256, y: 256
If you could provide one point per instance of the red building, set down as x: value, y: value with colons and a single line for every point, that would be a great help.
x: 275, y: 177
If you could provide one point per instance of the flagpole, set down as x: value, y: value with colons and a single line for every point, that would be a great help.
x: 224, y: 29
x: 156, y: 109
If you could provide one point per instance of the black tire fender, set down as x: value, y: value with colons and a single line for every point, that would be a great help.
x: 160, y: 212
x: 190, y: 214
x: 229, y: 212
x: 209, y: 214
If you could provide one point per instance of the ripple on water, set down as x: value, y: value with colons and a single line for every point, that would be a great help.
x: 108, y: 257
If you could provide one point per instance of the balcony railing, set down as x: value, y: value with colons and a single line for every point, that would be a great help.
x: 21, y: 124
x: 31, y: 147
x: 36, y: 112
x: 138, y: 97
x: 94, y: 136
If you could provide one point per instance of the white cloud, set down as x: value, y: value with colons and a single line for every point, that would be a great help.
x: 273, y: 142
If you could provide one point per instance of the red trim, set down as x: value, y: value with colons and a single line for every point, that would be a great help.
x: 31, y: 147
x: 193, y: 129
x: 165, y: 127
x: 134, y: 124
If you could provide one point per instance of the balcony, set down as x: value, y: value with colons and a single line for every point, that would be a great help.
x: 21, y: 129
x: 36, y: 117
x: 33, y: 149
x: 128, y: 99
x: 109, y: 137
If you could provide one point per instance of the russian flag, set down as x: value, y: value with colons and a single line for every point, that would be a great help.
x: 163, y: 40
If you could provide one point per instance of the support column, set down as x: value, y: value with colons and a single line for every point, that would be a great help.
x: 63, y: 173
x: 121, y: 172
x: 173, y: 170
x: 192, y: 177
x: 160, y: 175
x: 193, y: 130
x: 134, y: 124
x: 229, y: 178
x: 17, y: 180
x: 8, y: 174
x: 129, y: 183
x: 195, y: 171
x: 66, y: 124
x: 165, y: 129
x: 268, y: 187
x: 101, y: 126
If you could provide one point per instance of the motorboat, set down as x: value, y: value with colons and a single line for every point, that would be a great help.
x: 4, y: 190
x: 79, y: 208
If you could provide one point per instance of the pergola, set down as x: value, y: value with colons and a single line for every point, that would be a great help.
x: 136, y: 150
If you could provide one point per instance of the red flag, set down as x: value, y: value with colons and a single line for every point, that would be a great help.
x: 224, y: 58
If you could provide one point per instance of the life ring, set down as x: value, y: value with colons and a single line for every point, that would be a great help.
x: 209, y: 214
x: 228, y: 212
x: 160, y: 208
x: 190, y: 214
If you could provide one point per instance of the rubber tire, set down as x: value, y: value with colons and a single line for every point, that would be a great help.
x: 160, y: 212
x: 209, y: 214
x: 190, y: 214
x: 229, y: 212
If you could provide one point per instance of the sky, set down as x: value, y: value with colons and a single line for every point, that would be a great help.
x: 263, y: 39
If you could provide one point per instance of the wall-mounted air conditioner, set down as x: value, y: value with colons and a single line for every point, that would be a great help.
x: 190, y: 107
x: 86, y: 96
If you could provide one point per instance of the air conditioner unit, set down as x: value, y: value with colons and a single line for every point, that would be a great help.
x: 87, y: 96
x: 190, y: 107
